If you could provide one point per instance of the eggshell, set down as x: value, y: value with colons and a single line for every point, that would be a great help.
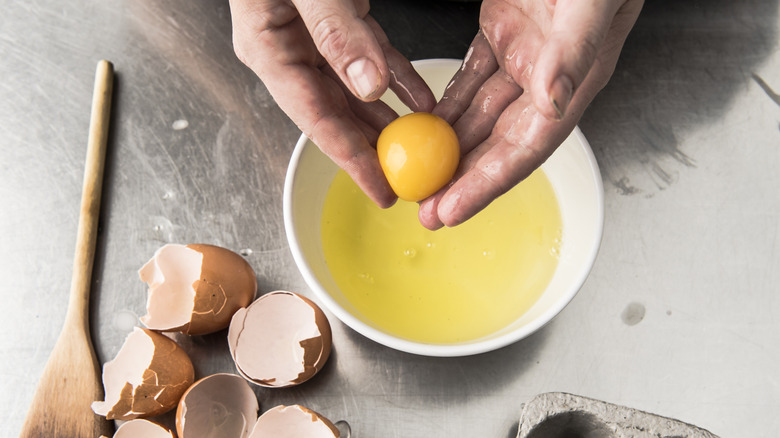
x: 142, y: 428
x: 196, y: 289
x: 220, y: 405
x: 280, y: 340
x: 146, y: 378
x: 293, y: 422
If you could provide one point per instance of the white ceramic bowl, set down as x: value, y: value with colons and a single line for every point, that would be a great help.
x: 572, y: 171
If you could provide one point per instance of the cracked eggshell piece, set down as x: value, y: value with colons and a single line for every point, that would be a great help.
x: 293, y: 422
x: 196, y: 288
x: 219, y: 405
x: 280, y: 340
x: 142, y: 428
x: 146, y: 378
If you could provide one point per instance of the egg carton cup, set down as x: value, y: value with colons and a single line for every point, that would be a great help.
x: 558, y: 414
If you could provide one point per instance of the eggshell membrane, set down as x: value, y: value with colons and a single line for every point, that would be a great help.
x: 280, y: 340
x: 196, y: 289
x: 146, y: 378
x: 293, y: 422
x: 220, y: 405
x: 142, y: 428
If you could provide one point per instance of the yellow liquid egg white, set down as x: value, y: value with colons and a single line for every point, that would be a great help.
x: 446, y: 286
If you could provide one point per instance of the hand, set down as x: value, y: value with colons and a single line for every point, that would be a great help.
x: 525, y: 82
x: 326, y: 62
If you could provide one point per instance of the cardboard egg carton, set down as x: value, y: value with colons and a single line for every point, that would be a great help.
x: 558, y: 415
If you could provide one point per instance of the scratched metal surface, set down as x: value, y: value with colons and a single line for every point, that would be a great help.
x: 680, y: 317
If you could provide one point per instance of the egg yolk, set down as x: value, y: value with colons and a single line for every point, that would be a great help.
x: 419, y: 154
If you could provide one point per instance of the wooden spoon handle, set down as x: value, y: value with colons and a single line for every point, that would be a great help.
x: 78, y: 306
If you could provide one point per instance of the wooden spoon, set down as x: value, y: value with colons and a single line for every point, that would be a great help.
x: 70, y: 381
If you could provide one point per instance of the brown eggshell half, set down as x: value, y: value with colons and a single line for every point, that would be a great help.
x: 219, y: 405
x: 293, y: 422
x: 142, y: 428
x: 195, y: 289
x: 146, y: 378
x: 282, y: 339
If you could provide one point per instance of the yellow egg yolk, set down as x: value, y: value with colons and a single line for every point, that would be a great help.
x: 419, y: 154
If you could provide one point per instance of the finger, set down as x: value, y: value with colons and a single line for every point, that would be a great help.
x: 522, y: 141
x: 347, y: 43
x: 375, y: 115
x: 348, y: 143
x: 268, y: 34
x: 405, y: 82
x: 515, y: 45
x: 472, y: 128
x: 574, y: 42
x: 320, y: 108
x: 477, y: 122
x: 479, y: 64
x: 427, y: 213
x: 369, y: 133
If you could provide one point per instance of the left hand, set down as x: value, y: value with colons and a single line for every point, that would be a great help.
x: 326, y: 62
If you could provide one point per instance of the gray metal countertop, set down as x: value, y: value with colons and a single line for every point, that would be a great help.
x: 680, y: 316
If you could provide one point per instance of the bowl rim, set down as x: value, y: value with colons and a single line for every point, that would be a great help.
x: 477, y: 346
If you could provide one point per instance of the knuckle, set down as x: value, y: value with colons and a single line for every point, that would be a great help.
x: 362, y: 8
x: 240, y: 50
x: 247, y: 52
x: 597, y: 79
x: 603, y: 75
x: 329, y: 36
x: 488, y: 174
x: 587, y: 49
x: 253, y: 29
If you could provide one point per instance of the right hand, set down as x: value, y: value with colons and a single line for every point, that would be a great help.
x: 326, y: 63
x: 530, y: 73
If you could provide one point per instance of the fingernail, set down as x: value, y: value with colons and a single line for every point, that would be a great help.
x: 447, y: 207
x: 364, y: 77
x: 427, y: 215
x: 560, y: 95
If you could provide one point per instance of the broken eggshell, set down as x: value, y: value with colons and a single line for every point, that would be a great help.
x: 146, y: 378
x: 293, y: 422
x: 196, y: 288
x: 282, y: 339
x: 219, y: 405
x: 142, y: 428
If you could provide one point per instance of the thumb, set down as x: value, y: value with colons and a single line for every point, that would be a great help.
x: 571, y: 48
x: 347, y: 43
